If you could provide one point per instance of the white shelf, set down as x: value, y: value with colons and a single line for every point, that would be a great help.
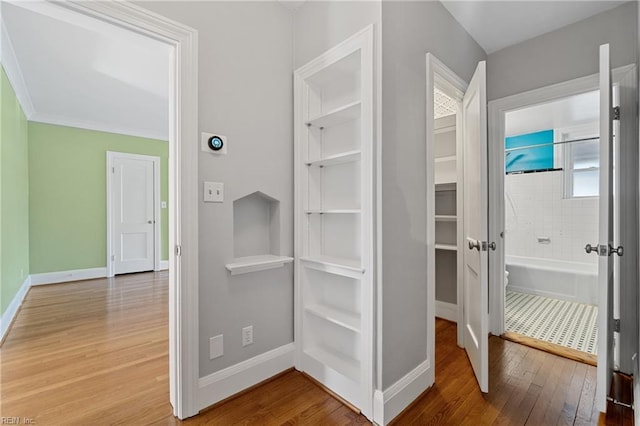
x: 448, y: 158
x: 337, y: 116
x: 332, y: 160
x: 243, y: 265
x: 446, y: 218
x: 348, y: 320
x: 445, y: 129
x: 451, y: 247
x: 445, y: 186
x: 334, y: 265
x: 333, y: 211
x: 342, y: 364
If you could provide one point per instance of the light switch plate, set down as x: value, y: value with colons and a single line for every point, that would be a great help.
x: 213, y: 192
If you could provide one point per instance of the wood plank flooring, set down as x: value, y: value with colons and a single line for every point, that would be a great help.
x: 95, y: 352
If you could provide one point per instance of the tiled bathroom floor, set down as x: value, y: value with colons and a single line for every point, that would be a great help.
x: 569, y: 324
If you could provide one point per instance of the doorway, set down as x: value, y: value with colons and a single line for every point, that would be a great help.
x: 551, y: 211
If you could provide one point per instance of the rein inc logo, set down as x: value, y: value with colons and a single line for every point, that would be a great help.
x: 17, y: 421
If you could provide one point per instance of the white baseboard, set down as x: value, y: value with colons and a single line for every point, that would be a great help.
x: 64, y: 276
x: 388, y: 404
x: 543, y: 293
x: 9, y: 314
x: 164, y: 265
x: 225, y: 383
x: 448, y: 311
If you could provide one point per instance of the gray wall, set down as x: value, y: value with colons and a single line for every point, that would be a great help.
x: 410, y: 30
x: 567, y: 53
x: 320, y: 25
x: 245, y: 93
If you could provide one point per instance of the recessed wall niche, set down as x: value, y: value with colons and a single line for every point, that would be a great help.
x: 256, y: 234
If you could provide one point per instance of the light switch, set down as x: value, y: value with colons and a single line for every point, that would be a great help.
x: 213, y: 192
x: 163, y: 205
x: 216, y: 346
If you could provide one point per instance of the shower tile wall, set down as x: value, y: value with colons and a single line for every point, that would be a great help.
x: 535, y: 207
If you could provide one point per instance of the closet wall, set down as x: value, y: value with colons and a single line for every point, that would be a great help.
x: 410, y: 29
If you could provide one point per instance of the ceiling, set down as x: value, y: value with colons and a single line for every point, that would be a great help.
x: 499, y: 24
x: 74, y: 70
x: 572, y: 111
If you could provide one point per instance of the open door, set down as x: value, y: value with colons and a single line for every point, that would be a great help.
x: 605, y: 248
x: 475, y: 220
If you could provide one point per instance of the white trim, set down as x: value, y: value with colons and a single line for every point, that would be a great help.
x: 66, y: 276
x: 58, y: 120
x: 438, y: 73
x: 164, y: 265
x: 231, y: 380
x: 448, y: 311
x: 388, y: 404
x: 14, y: 74
x: 183, y: 188
x: 9, y: 315
x: 157, y: 234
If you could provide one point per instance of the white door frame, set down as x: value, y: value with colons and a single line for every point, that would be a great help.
x: 497, y: 111
x: 183, y: 188
x: 157, y: 240
x: 439, y: 74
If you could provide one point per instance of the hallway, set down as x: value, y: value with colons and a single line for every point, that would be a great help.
x: 95, y: 352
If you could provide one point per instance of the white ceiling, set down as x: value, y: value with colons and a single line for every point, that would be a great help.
x: 74, y: 70
x: 498, y: 24
x: 568, y: 112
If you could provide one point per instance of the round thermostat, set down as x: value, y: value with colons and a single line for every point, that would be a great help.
x: 215, y: 143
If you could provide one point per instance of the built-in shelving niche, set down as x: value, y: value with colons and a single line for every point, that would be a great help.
x: 256, y: 234
x: 334, y: 210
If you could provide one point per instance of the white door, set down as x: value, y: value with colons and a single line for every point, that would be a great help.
x: 475, y: 220
x: 605, y: 247
x: 132, y: 213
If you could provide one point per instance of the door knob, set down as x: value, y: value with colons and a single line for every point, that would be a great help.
x: 473, y: 244
x: 150, y: 221
x: 492, y: 246
x: 591, y: 248
x: 617, y: 250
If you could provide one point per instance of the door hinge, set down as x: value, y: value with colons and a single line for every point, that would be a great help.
x: 178, y: 250
x: 616, y: 325
x: 113, y: 257
x: 616, y: 113
x: 113, y: 170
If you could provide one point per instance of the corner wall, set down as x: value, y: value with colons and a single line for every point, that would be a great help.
x: 14, y: 195
x: 68, y: 194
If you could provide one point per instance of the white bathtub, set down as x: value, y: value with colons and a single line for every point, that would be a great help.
x: 572, y: 281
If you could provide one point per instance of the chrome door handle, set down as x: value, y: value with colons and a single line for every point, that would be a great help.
x: 473, y: 244
x: 492, y: 246
x: 591, y: 248
x: 617, y: 250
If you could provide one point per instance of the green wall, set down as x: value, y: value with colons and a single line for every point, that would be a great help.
x: 67, y: 194
x: 14, y: 194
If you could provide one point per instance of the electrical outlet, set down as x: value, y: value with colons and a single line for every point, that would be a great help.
x: 216, y: 346
x: 247, y: 335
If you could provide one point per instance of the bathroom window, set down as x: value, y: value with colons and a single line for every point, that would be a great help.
x: 582, y: 169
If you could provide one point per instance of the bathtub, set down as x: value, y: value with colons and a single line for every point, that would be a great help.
x: 564, y: 280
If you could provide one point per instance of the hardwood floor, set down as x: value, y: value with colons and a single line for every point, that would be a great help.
x: 95, y: 352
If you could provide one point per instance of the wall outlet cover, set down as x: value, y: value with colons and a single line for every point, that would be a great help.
x: 216, y: 346
x: 247, y: 335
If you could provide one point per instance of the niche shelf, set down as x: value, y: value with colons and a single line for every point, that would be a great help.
x: 334, y: 227
x: 256, y: 234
